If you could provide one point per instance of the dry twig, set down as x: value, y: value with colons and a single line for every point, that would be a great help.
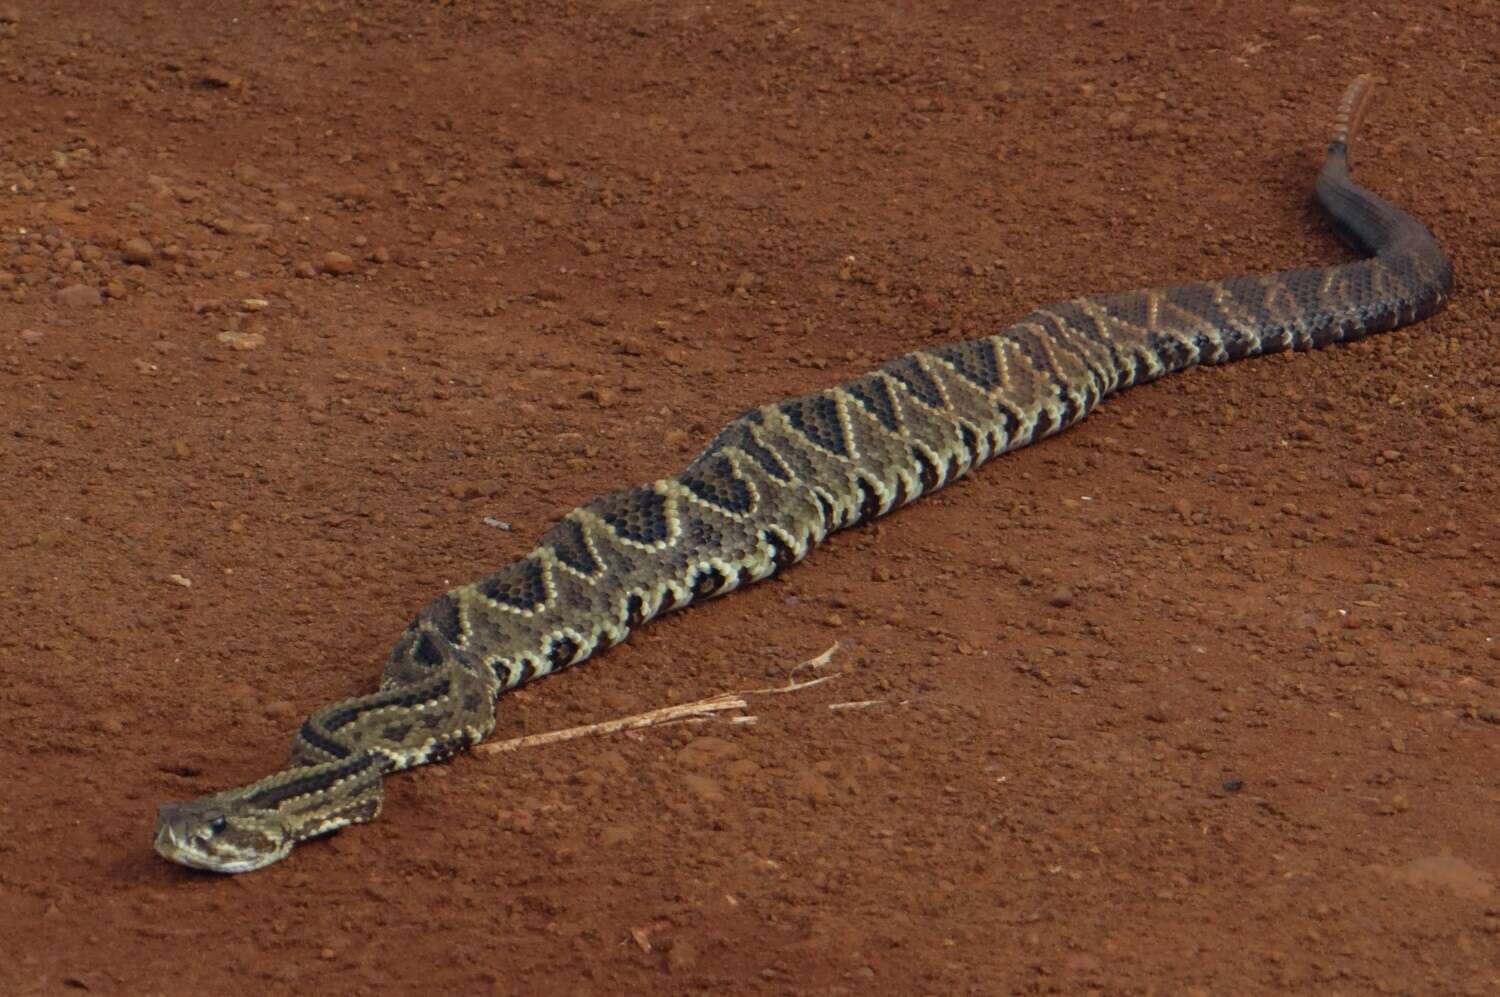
x: 703, y: 709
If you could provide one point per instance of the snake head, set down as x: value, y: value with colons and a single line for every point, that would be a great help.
x: 239, y: 830
x: 210, y: 833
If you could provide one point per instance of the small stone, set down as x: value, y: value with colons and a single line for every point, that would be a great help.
x: 32, y: 336
x: 305, y: 270
x: 139, y: 252
x: 254, y: 304
x: 602, y: 396
x: 1158, y: 714
x: 337, y: 264
x: 185, y: 582
x: 465, y: 490
x: 242, y: 340
x: 1061, y: 598
x: 79, y: 296
x: 380, y: 255
x: 218, y: 79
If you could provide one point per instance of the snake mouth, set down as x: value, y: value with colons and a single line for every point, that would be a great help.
x: 183, y: 838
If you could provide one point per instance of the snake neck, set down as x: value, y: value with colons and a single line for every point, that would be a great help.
x: 435, y: 700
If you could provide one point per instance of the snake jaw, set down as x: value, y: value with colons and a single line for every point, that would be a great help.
x: 200, y: 834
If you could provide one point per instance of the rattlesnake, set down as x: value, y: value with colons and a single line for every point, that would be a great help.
x: 775, y: 483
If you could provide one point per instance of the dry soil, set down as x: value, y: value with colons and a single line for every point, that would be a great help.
x: 1199, y: 697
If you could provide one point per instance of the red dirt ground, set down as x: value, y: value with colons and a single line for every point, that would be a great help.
x: 1200, y: 697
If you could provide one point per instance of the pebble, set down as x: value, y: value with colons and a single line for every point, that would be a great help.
x: 218, y: 78
x: 138, y: 251
x: 337, y: 264
x: 32, y: 336
x: 79, y: 296
x: 242, y: 340
x: 1061, y: 598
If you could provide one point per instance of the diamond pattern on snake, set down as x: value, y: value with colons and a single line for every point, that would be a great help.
x: 777, y: 481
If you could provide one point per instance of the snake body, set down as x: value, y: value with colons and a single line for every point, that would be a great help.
x: 777, y: 481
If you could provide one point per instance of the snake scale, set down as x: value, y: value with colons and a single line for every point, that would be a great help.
x: 775, y: 482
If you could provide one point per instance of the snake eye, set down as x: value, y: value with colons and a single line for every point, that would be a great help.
x: 217, y: 824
